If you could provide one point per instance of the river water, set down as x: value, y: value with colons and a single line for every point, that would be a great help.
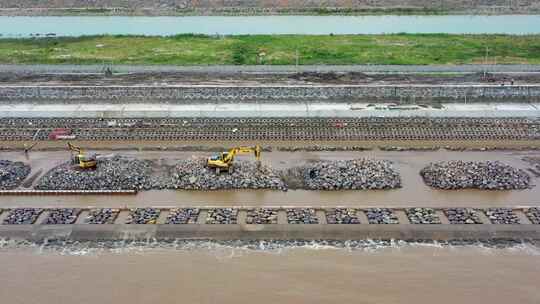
x: 309, y: 274
x: 251, y: 25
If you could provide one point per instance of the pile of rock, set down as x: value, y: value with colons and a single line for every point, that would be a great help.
x: 195, y: 175
x: 490, y: 175
x: 143, y: 216
x: 502, y: 216
x: 102, y: 216
x: 22, y: 216
x: 62, y: 216
x: 323, y: 148
x: 357, y: 174
x: 381, y: 216
x: 12, y: 174
x: 222, y: 216
x: 114, y: 173
x: 183, y: 216
x: 342, y: 216
x: 462, y: 216
x: 262, y: 216
x: 533, y: 214
x: 422, y: 216
x: 302, y: 216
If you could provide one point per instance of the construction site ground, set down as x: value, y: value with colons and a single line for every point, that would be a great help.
x: 413, y: 193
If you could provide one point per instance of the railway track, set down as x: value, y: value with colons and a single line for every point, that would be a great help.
x: 374, y: 128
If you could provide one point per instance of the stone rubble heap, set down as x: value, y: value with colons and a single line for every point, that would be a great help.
x: 422, y: 216
x: 114, y: 173
x: 342, y: 216
x: 302, y: 216
x: 62, y: 216
x: 222, y: 216
x: 195, y: 175
x: 143, y: 216
x: 22, y: 216
x: 462, y: 216
x: 381, y: 216
x: 502, y: 216
x: 357, y: 174
x: 12, y: 174
x: 102, y: 216
x: 183, y: 216
x: 262, y: 216
x: 490, y: 175
x: 533, y: 214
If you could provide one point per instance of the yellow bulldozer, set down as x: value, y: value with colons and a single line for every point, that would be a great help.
x: 81, y: 159
x: 225, y: 160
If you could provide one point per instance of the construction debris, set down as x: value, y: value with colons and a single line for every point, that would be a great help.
x: 195, y: 175
x: 12, y: 174
x: 488, y: 175
x: 357, y: 174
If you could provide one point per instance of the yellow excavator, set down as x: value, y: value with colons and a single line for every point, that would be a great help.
x: 224, y: 161
x: 81, y: 159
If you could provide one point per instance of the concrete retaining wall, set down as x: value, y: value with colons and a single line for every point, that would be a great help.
x: 82, y: 232
x: 187, y: 94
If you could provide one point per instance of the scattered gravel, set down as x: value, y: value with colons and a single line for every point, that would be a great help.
x: 422, y: 216
x: 342, y: 216
x: 195, y: 175
x: 262, y: 216
x: 381, y: 216
x: 462, y: 216
x: 115, y: 173
x: 302, y: 216
x: 502, y: 216
x: 143, y: 216
x: 62, y: 216
x: 490, y: 175
x: 324, y: 148
x: 183, y: 216
x: 22, y: 216
x: 533, y: 214
x: 12, y: 174
x: 222, y: 216
x: 357, y: 174
x: 102, y: 216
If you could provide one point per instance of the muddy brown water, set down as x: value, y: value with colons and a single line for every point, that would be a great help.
x: 419, y: 275
x: 413, y: 193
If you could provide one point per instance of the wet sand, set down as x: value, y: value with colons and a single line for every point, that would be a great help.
x: 407, y: 275
x: 413, y: 193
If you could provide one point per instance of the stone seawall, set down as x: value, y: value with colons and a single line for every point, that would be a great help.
x: 187, y: 94
x: 169, y: 7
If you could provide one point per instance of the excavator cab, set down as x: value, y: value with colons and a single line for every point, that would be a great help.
x: 82, y: 160
x: 225, y: 160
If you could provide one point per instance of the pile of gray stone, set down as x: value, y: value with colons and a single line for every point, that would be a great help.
x: 490, y: 175
x: 462, y: 216
x: 194, y: 174
x: 222, y: 216
x: 183, y: 216
x: 262, y: 216
x: 22, y: 216
x: 62, y: 216
x: 302, y: 216
x: 323, y: 148
x: 143, y: 216
x: 502, y: 216
x: 342, y: 216
x: 533, y: 214
x: 102, y: 216
x: 114, y: 173
x: 422, y: 216
x: 12, y: 174
x: 381, y: 216
x: 357, y: 174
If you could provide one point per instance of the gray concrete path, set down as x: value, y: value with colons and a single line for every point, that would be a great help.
x: 516, y: 68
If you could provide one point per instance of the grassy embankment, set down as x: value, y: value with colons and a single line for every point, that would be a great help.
x: 275, y: 50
